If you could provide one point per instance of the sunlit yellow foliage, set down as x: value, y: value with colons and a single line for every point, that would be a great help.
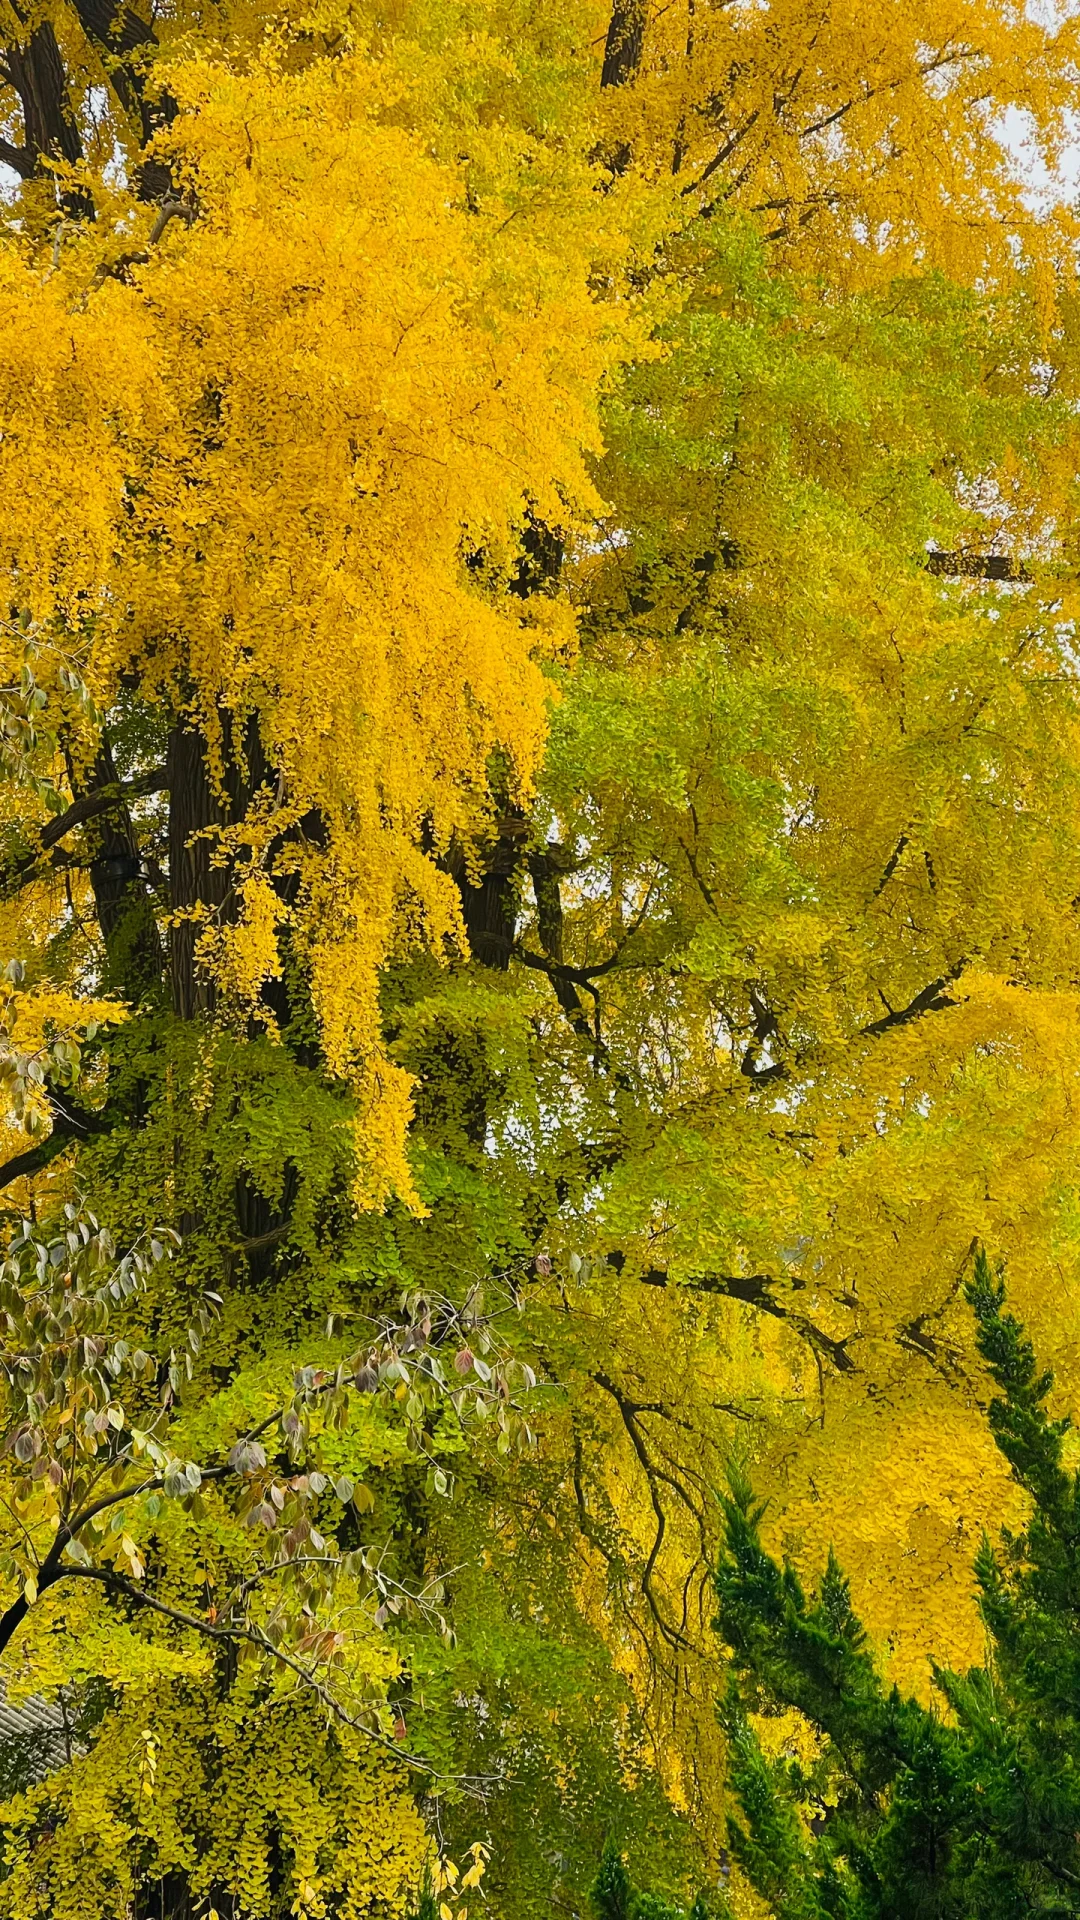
x: 866, y: 143
x: 276, y: 1800
x: 266, y: 462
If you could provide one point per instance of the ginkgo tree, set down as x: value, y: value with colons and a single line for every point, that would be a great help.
x: 797, y: 927
x: 293, y: 406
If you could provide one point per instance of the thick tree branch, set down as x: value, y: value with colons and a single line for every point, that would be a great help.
x: 88, y: 806
x: 34, y: 68
x: 19, y: 159
x: 545, y: 873
x: 890, y: 865
x: 122, y: 898
x: 127, y: 42
x: 765, y: 1029
x: 724, y: 153
x: 70, y: 1122
x: 965, y: 564
x: 565, y: 981
x: 624, y: 43
x: 488, y: 906
x: 753, y: 1290
x: 932, y: 999
x: 118, y: 269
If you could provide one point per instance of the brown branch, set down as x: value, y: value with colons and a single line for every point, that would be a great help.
x: 964, y: 563
x: 735, y: 140
x: 890, y: 865
x: 888, y: 86
x: 565, y: 981
x: 589, y: 1529
x: 70, y: 1123
x: 628, y: 1413
x: 87, y: 807
x: 932, y: 999
x: 565, y: 988
x: 556, y: 969
x: 259, y: 1241
x: 705, y: 891
x: 53, y: 1569
x: 36, y: 1159
x: 809, y: 212
x: 140, y: 256
x: 752, y: 1290
x: 19, y: 159
x: 765, y: 1028
x: 35, y: 68
x: 624, y: 43
x: 121, y: 38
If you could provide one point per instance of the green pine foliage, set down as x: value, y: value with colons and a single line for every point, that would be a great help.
x: 969, y: 1807
x: 613, y: 1896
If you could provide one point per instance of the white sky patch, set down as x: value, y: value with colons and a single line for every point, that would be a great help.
x: 1044, y: 188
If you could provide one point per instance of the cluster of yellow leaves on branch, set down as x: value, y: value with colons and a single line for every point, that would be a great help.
x: 214, y: 1796
x: 867, y: 145
x: 252, y: 481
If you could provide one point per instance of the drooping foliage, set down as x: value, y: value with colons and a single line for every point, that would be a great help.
x: 539, y: 855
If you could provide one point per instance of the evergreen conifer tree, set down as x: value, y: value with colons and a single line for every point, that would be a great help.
x: 968, y: 1807
x: 613, y: 1896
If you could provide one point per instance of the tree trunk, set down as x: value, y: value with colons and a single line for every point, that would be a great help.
x: 122, y: 896
x: 625, y: 39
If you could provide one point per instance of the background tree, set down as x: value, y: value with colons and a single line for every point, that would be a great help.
x: 773, y: 1086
